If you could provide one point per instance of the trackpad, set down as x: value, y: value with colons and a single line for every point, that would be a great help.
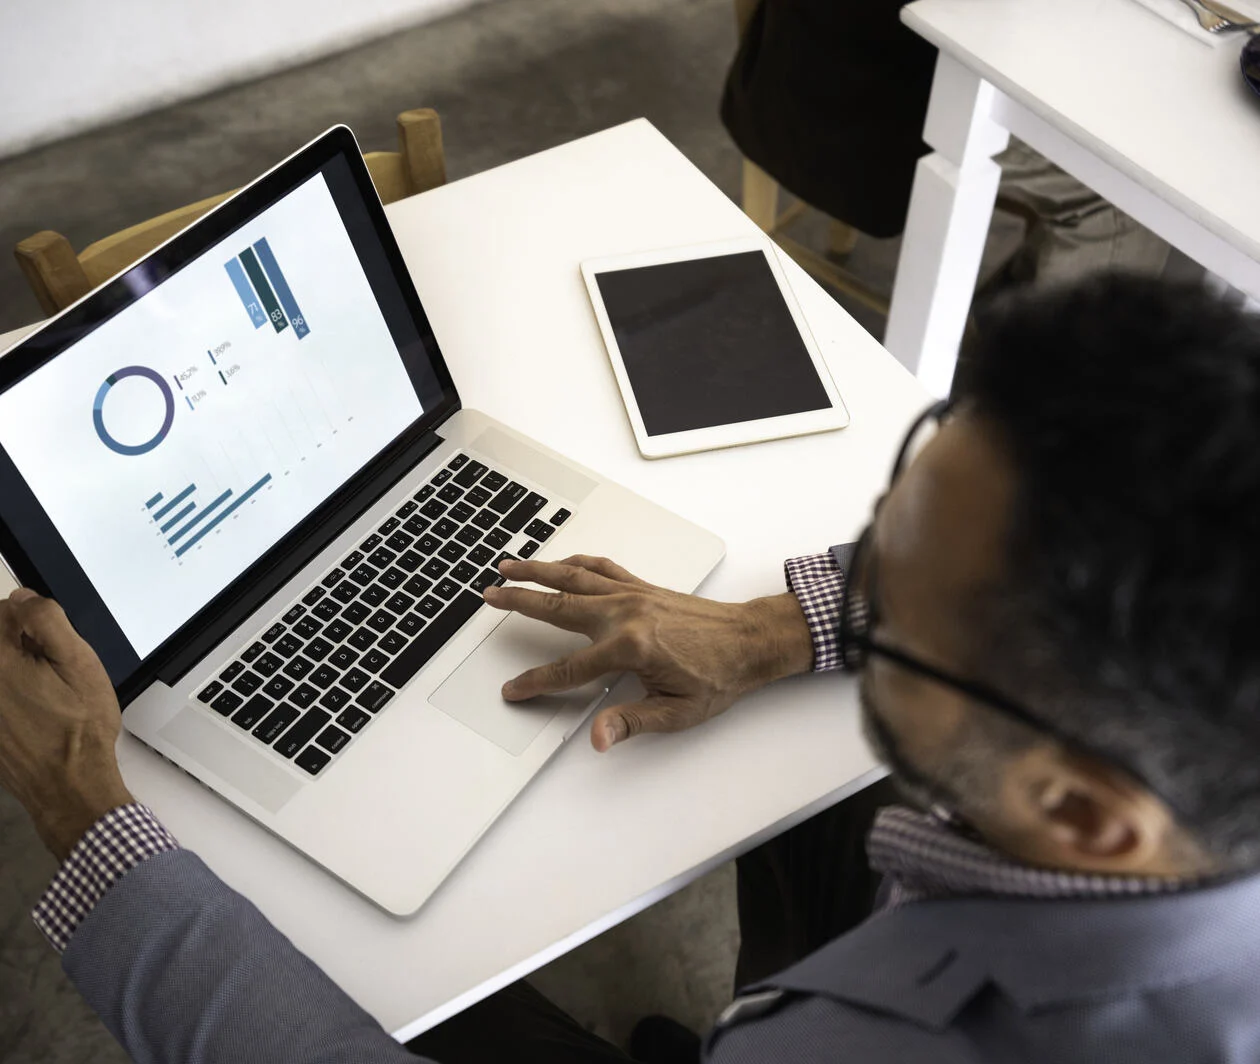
x: 471, y: 694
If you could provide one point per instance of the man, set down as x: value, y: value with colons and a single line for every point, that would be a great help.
x: 1052, y: 615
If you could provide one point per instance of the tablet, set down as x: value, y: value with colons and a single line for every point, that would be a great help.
x: 709, y: 347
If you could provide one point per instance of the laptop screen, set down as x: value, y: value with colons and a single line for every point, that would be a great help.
x: 187, y: 433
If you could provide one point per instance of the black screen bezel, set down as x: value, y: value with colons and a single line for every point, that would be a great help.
x: 418, y: 347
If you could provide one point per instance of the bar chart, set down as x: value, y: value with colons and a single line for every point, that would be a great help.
x: 184, y: 525
x: 262, y: 288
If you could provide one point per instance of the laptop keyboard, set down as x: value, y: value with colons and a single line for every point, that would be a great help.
x: 316, y: 677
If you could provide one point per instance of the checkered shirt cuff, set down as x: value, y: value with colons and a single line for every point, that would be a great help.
x: 818, y: 583
x: 114, y: 845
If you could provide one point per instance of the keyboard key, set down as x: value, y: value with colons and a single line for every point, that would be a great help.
x: 307, y: 627
x: 482, y: 555
x: 410, y: 624
x: 423, y: 493
x: 356, y: 613
x: 374, y: 661
x: 381, y: 621
x: 447, y: 588
x: 313, y: 760
x: 332, y: 739
x: 345, y: 591
x: 470, y: 474
x: 275, y: 723
x: 450, y: 493
x: 445, y: 528
x: 458, y: 461
x: 364, y: 575
x: 318, y: 648
x: 417, y: 585
x: 488, y: 578
x: 333, y: 579
x: 209, y: 691
x: 428, y: 544
x: 400, y: 603
x: 523, y: 511
x: 337, y: 631
x: 477, y: 497
x: 409, y: 561
x: 370, y: 544
x: 496, y: 539
x: 363, y: 639
x: 313, y: 596
x: 485, y: 520
x: 288, y: 645
x: 374, y: 595
x: 374, y: 696
x: 304, y: 695
x: 429, y: 606
x: 353, y: 719
x: 508, y: 497
x: 539, y: 530
x: 327, y: 609
x: 294, y: 613
x: 253, y: 650
x: 461, y: 512
x: 391, y: 643
x: 382, y: 556
x: 277, y: 687
x: 435, y: 568
x: 504, y: 557
x: 433, y: 509
x: 417, y: 525
x: 267, y: 664
x: 452, y: 552
x: 252, y: 712
x: 528, y: 550
x: 246, y: 683
x: 334, y: 698
x: 429, y: 641
x: 468, y: 535
x: 560, y: 516
x: 351, y: 560
x: 354, y: 680
x: 389, y: 526
x: 440, y: 477
x: 493, y: 480
x: 273, y: 633
x: 298, y: 667
x: 226, y: 703
x: 399, y: 542
x: 463, y: 572
x: 406, y: 510
x: 342, y: 658
x: 393, y: 577
x: 324, y: 676
x: 231, y: 672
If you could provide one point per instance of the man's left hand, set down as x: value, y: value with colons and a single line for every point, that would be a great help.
x: 59, y: 722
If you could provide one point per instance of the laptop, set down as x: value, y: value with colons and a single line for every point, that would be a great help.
x: 243, y: 469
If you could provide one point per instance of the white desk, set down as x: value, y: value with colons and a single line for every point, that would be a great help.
x: 596, y: 838
x: 1152, y: 119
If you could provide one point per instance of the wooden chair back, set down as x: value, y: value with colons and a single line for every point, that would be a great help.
x: 59, y: 277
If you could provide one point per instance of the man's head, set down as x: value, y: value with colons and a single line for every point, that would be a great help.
x: 1083, y: 536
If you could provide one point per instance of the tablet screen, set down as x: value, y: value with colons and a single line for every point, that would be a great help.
x: 709, y: 342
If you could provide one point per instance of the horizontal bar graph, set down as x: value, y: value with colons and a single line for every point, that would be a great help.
x: 223, y: 515
x: 264, y: 290
x: 153, y: 501
x: 174, y: 502
x: 179, y: 517
x: 206, y: 511
x: 186, y: 525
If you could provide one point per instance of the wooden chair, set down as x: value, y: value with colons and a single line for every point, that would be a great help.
x: 59, y: 277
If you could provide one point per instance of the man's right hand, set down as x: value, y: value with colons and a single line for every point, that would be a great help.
x: 694, y: 656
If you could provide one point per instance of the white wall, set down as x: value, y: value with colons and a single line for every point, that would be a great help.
x: 68, y: 65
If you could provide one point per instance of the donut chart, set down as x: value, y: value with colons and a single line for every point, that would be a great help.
x: 98, y: 405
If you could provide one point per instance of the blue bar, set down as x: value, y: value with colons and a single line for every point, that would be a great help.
x: 190, y: 406
x: 300, y: 328
x: 180, y: 386
x: 241, y: 283
x: 175, y: 502
x: 206, y: 512
x: 211, y: 354
x: 221, y: 377
x: 241, y: 499
x: 179, y: 517
x: 154, y: 501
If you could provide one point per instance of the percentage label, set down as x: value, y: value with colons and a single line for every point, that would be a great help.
x: 222, y: 347
x: 187, y: 374
x: 231, y: 371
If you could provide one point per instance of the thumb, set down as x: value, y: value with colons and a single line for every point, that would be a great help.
x: 654, y: 714
x: 45, y: 629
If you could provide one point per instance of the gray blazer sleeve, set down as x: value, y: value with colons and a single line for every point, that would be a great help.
x: 182, y: 968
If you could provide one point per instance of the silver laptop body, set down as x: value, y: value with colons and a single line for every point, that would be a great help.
x: 301, y: 631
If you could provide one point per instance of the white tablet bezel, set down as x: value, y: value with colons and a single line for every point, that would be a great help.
x: 706, y: 439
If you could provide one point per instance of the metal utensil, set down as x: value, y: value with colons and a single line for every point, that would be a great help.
x: 1216, y: 21
x: 1236, y: 19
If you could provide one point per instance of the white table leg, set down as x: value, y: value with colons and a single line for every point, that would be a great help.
x: 951, y: 206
